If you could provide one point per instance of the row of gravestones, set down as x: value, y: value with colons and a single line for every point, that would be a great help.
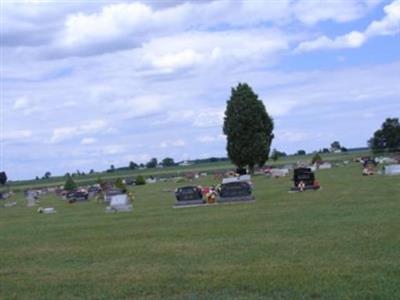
x: 229, y: 192
x: 235, y: 191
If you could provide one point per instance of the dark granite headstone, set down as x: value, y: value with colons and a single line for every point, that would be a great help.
x: 93, y: 191
x: 188, y: 195
x: 304, y: 176
x: 77, y: 196
x: 235, y: 191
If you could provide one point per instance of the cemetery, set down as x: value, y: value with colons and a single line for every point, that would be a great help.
x: 200, y: 150
x: 159, y: 252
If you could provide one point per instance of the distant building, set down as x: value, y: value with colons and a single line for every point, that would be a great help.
x: 185, y: 163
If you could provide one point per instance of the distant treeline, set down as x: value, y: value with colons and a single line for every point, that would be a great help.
x: 209, y: 160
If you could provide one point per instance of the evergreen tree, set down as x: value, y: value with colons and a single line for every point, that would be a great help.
x: 140, y: 180
x: 120, y: 185
x: 248, y: 128
x: 70, y: 184
x: 317, y: 159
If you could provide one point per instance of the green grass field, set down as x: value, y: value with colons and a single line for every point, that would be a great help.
x: 342, y: 242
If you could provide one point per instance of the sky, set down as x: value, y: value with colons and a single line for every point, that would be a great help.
x: 87, y: 84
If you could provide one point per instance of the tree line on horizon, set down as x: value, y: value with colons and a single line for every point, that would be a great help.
x: 249, y: 131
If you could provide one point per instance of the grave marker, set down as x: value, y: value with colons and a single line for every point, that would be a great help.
x: 235, y: 191
x: 119, y: 203
x: 189, y: 195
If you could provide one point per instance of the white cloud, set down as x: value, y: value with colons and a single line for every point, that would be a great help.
x: 92, y: 126
x: 353, y: 39
x: 206, y: 48
x: 201, y: 117
x: 210, y: 138
x: 110, y: 27
x: 172, y: 143
x: 64, y: 133
x: 79, y: 28
x: 388, y: 25
x: 293, y: 136
x: 16, y: 135
x: 179, y: 59
x: 114, y: 149
x: 112, y: 23
x: 312, y: 12
x: 88, y: 141
x: 209, y: 117
x: 138, y: 158
x: 21, y: 103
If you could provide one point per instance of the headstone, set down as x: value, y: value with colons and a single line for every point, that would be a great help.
x: 235, y: 191
x: 77, y: 196
x: 279, y: 172
x: 119, y: 203
x: 325, y: 166
x: 93, y: 191
x: 392, y: 169
x: 31, y: 201
x: 110, y: 193
x: 385, y: 160
x: 10, y: 204
x: 151, y: 180
x: 129, y: 181
x: 304, y: 179
x: 189, y: 195
x: 31, y: 198
x: 46, y: 210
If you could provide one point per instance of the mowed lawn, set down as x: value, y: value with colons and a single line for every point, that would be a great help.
x: 342, y: 242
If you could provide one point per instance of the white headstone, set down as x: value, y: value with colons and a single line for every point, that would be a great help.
x: 151, y: 180
x: 119, y: 203
x: 325, y: 165
x: 31, y: 201
x: 392, y: 169
x: 279, y: 172
x: 46, y: 210
x: 385, y: 160
x: 121, y: 199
